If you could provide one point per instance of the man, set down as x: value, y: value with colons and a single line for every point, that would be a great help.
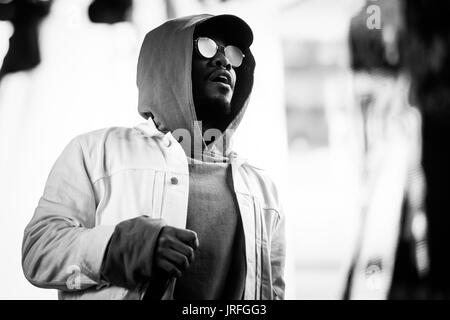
x: 166, y: 209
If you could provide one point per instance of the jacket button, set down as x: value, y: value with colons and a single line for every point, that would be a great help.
x: 174, y: 180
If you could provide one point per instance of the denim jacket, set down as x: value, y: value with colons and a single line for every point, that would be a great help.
x: 110, y: 175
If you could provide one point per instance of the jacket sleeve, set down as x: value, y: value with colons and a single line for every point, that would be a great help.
x: 62, y: 248
x: 277, y: 257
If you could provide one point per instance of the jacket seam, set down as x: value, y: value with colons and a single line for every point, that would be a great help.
x: 261, y: 201
x: 51, y: 284
x: 273, y: 209
x: 129, y: 169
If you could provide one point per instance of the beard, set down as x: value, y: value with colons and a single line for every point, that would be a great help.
x: 214, y: 112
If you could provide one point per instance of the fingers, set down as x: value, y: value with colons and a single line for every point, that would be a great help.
x: 174, y: 263
x: 175, y: 250
x: 187, y: 236
x: 180, y: 261
x: 169, y: 267
x: 179, y: 239
x: 184, y: 249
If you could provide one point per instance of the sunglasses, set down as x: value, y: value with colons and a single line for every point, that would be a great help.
x: 208, y: 48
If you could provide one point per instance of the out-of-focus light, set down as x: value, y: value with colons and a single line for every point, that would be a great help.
x: 419, y: 226
x: 6, y: 31
x: 419, y: 229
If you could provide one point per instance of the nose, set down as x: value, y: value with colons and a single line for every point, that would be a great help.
x: 220, y: 60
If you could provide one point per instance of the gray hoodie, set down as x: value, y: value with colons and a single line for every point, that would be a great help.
x: 165, y: 85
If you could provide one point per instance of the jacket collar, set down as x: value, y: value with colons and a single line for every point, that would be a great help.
x: 149, y: 129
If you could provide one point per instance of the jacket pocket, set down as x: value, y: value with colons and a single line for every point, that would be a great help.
x: 268, y: 219
x: 271, y: 216
x: 127, y: 194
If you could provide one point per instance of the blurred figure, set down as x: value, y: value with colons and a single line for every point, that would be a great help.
x: 390, y: 259
x: 109, y: 11
x: 25, y: 16
x: 427, y: 61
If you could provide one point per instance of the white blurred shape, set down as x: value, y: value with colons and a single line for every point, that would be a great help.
x: 6, y: 31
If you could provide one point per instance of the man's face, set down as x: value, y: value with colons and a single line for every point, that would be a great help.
x: 213, y: 83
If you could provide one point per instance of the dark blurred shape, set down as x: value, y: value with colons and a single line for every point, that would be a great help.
x: 25, y: 16
x: 427, y: 45
x: 6, y: 10
x: 109, y: 11
x: 366, y: 47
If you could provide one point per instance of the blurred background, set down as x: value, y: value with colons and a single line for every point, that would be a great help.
x: 348, y: 114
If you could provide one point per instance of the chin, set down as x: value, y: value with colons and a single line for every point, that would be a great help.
x: 214, y: 108
x: 222, y: 106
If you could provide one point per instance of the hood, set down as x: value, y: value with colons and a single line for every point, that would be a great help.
x: 165, y: 85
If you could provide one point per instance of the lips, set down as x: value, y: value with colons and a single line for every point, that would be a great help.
x: 221, y: 76
x: 222, y: 79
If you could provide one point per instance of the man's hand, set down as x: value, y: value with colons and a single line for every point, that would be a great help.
x: 175, y: 249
